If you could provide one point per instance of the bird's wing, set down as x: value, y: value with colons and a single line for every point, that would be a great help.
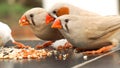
x: 105, y: 26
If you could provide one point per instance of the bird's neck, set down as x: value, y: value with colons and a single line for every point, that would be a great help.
x: 40, y: 28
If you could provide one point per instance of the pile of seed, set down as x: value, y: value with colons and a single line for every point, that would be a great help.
x: 30, y: 53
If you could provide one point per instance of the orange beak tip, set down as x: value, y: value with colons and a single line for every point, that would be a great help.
x: 47, y: 22
x: 20, y: 23
x: 53, y: 26
x: 58, y: 27
x: 56, y: 24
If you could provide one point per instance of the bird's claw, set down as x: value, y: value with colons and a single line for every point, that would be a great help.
x: 20, y: 45
x: 44, y: 45
x: 99, y: 51
x: 66, y: 46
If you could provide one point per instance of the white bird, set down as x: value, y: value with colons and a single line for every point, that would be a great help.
x: 5, y: 35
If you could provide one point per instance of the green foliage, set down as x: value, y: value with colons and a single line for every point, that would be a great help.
x: 11, y: 13
x: 6, y: 9
x: 16, y: 8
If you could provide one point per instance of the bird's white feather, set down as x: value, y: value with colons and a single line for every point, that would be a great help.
x: 5, y: 33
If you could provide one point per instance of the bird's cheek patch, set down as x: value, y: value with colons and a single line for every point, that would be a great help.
x: 62, y: 11
x: 57, y: 24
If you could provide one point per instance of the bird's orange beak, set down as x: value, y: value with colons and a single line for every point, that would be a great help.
x: 56, y: 24
x: 49, y: 18
x: 23, y: 21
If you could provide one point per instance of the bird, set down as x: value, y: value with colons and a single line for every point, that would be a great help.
x: 60, y: 9
x: 90, y: 33
x: 5, y: 36
x: 35, y: 18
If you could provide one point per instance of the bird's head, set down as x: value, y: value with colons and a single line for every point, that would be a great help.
x: 32, y: 17
x: 56, y: 11
x: 62, y: 22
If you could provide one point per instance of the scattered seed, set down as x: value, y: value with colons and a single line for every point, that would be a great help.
x: 85, y: 57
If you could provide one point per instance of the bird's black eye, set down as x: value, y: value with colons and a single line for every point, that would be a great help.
x: 66, y: 20
x: 54, y: 12
x: 31, y: 15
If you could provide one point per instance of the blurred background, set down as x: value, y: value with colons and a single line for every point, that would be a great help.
x: 12, y: 10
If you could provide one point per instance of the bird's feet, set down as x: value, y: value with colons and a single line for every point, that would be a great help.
x: 44, y: 45
x: 49, y: 43
x: 20, y: 45
x: 66, y: 46
x: 99, y: 51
